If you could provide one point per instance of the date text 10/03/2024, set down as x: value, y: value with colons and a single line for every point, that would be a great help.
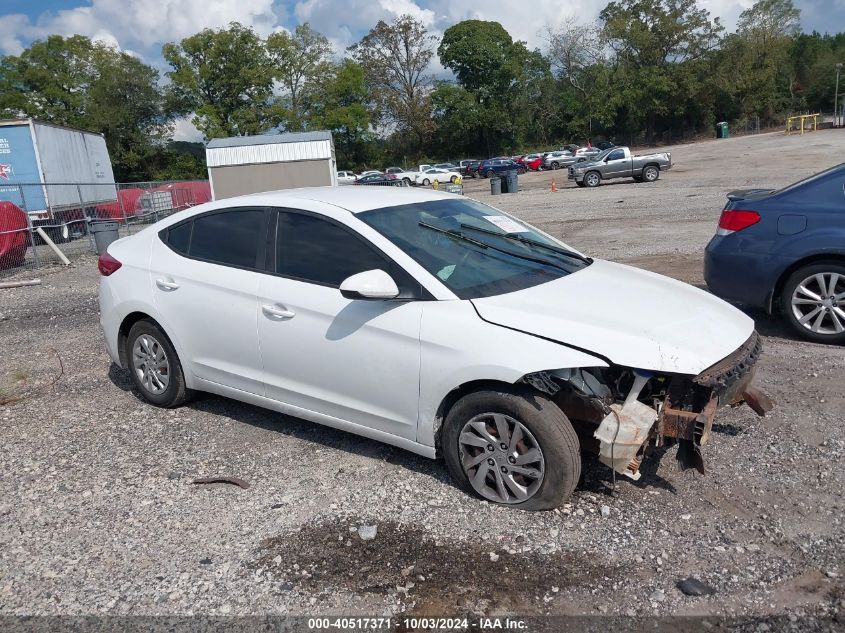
x: 417, y: 624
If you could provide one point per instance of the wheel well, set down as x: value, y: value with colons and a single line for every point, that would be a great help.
x: 123, y: 333
x: 774, y: 299
x: 456, y: 394
x: 652, y: 165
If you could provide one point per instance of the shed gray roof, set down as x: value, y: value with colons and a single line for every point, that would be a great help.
x: 271, y: 139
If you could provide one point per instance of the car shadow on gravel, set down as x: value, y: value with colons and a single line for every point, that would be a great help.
x: 297, y: 428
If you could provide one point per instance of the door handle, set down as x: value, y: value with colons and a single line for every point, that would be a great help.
x: 277, y: 312
x: 167, y: 286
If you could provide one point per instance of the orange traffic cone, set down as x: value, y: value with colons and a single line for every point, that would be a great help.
x: 554, y: 186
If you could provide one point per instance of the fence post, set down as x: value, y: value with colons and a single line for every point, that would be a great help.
x: 86, y: 218
x: 122, y: 210
x: 29, y: 228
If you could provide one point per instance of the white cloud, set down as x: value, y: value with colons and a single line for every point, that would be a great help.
x: 184, y: 130
x: 152, y: 22
x: 15, y: 31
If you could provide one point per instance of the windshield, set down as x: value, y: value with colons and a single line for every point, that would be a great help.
x: 474, y: 250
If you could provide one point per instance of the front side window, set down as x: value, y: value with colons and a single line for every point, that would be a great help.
x: 231, y: 238
x: 616, y: 155
x: 473, y: 249
x: 311, y: 249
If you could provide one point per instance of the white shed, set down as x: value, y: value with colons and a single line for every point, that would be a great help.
x: 252, y: 164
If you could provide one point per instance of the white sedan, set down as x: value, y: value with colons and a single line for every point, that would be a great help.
x: 428, y: 321
x: 442, y: 176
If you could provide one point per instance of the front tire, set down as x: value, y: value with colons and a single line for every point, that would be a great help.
x: 155, y: 367
x: 813, y: 302
x: 407, y: 182
x: 489, y: 174
x: 555, y: 165
x: 512, y: 447
x: 592, y: 179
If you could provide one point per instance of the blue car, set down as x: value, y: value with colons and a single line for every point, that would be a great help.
x: 785, y: 250
x: 493, y: 166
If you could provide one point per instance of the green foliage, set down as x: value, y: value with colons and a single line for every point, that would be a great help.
x: 301, y: 60
x: 395, y: 58
x: 646, y: 70
x: 75, y: 82
x: 340, y: 104
x: 225, y: 78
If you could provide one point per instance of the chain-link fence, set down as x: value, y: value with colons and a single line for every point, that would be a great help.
x: 40, y: 223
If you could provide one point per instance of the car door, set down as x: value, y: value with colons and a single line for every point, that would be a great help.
x: 204, y: 277
x: 356, y: 360
x: 616, y: 164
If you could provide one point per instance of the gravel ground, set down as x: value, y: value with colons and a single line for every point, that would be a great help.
x: 98, y: 513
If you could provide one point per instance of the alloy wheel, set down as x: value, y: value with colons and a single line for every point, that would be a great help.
x: 501, y: 458
x: 818, y: 303
x: 650, y: 174
x: 150, y: 364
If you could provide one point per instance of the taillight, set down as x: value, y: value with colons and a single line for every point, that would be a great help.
x: 107, y: 264
x: 733, y: 220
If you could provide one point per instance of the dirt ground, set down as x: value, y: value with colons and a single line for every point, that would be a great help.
x: 98, y: 514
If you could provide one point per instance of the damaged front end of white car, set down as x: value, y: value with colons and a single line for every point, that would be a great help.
x: 621, y: 413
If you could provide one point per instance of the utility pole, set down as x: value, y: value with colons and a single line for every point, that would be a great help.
x: 836, y: 98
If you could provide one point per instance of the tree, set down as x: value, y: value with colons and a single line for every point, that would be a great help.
x: 300, y: 61
x: 340, y: 104
x: 661, y: 54
x: 395, y: 58
x: 771, y: 19
x: 79, y: 83
x: 225, y: 78
x: 49, y: 80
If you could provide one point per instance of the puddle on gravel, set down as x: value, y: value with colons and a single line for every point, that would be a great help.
x: 456, y: 576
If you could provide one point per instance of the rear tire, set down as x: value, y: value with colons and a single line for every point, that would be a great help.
x: 544, y: 454
x: 154, y: 366
x: 651, y: 173
x: 426, y: 182
x: 806, y: 296
x: 555, y: 165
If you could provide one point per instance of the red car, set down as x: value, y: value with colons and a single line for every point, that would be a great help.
x: 532, y: 161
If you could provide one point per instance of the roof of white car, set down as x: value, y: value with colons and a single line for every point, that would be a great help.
x: 354, y: 198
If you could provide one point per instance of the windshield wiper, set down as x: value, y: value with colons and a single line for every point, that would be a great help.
x: 527, y: 240
x: 465, y: 238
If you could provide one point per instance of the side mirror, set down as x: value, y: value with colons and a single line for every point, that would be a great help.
x: 370, y: 284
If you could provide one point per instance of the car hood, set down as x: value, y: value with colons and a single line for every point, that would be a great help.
x: 632, y: 317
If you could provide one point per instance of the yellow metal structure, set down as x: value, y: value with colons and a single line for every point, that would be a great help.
x: 796, y: 124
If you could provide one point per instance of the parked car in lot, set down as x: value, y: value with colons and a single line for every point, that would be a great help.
x: 346, y: 177
x: 369, y: 172
x: 784, y: 250
x: 533, y: 162
x: 618, y: 162
x: 428, y: 176
x: 556, y: 160
x: 494, y: 166
x: 427, y: 321
x: 470, y: 170
x: 380, y: 179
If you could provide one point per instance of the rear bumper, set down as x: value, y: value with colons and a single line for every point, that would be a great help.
x: 738, y: 276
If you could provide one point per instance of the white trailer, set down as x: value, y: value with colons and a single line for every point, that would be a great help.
x: 50, y: 171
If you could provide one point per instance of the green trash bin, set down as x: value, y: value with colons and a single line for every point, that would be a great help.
x: 722, y: 130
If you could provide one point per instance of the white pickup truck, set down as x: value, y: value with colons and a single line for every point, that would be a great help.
x: 618, y: 162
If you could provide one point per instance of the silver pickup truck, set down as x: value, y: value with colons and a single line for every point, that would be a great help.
x: 618, y: 162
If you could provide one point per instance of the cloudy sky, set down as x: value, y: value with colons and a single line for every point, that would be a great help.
x: 141, y: 26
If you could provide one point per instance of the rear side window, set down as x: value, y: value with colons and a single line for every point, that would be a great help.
x: 179, y: 237
x: 314, y: 250
x: 231, y: 238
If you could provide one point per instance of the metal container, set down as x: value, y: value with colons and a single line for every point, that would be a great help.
x: 495, y: 185
x: 104, y: 232
x: 513, y: 181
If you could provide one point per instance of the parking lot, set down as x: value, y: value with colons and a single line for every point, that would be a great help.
x: 98, y: 512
